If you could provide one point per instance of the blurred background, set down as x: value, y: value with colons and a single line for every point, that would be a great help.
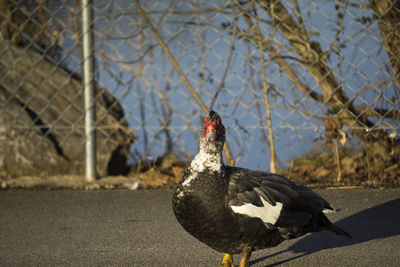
x: 309, y: 89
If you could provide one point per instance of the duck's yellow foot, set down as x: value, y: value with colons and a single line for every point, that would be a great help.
x: 246, y: 253
x: 227, y: 261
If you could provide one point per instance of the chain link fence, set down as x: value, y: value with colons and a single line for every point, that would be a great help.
x: 331, y: 72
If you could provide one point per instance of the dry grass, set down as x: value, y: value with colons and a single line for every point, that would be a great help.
x: 320, y: 169
x: 314, y: 169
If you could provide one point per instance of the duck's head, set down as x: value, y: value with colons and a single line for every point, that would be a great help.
x: 213, y: 131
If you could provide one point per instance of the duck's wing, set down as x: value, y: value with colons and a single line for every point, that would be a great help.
x: 274, y: 199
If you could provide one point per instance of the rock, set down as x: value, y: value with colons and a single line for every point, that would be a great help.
x: 42, y: 119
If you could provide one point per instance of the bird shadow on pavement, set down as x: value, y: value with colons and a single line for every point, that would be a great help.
x: 378, y: 222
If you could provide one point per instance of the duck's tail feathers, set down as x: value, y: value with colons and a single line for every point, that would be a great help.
x: 334, y: 228
x: 339, y: 231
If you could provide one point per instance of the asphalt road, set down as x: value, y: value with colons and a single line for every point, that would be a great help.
x: 138, y: 228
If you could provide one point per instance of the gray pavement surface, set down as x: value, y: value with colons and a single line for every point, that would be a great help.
x: 138, y: 228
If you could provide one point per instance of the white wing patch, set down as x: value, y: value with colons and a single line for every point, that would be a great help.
x: 268, y: 213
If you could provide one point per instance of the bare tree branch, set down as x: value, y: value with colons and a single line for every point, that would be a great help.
x: 333, y: 93
x: 74, y: 17
x: 266, y: 97
x: 171, y: 57
x: 348, y: 3
x: 175, y: 64
x: 388, y: 15
x: 202, y: 46
x: 228, y: 63
x: 282, y: 63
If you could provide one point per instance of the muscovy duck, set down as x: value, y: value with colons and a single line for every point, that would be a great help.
x: 236, y: 210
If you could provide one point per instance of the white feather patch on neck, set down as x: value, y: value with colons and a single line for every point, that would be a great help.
x: 203, y: 161
x: 267, y: 213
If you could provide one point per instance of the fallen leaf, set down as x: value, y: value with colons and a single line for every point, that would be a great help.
x: 343, y: 137
x: 393, y: 134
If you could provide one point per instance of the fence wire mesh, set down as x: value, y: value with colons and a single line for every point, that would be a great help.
x: 331, y: 68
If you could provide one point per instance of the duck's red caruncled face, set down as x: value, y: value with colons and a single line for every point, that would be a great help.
x: 212, y: 129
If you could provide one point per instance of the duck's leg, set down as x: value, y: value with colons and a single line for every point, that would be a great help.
x: 246, y: 253
x: 227, y: 261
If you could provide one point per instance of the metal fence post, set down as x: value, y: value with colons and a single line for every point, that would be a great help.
x: 88, y: 79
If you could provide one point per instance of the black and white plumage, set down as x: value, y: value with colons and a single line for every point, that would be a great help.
x: 231, y: 209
